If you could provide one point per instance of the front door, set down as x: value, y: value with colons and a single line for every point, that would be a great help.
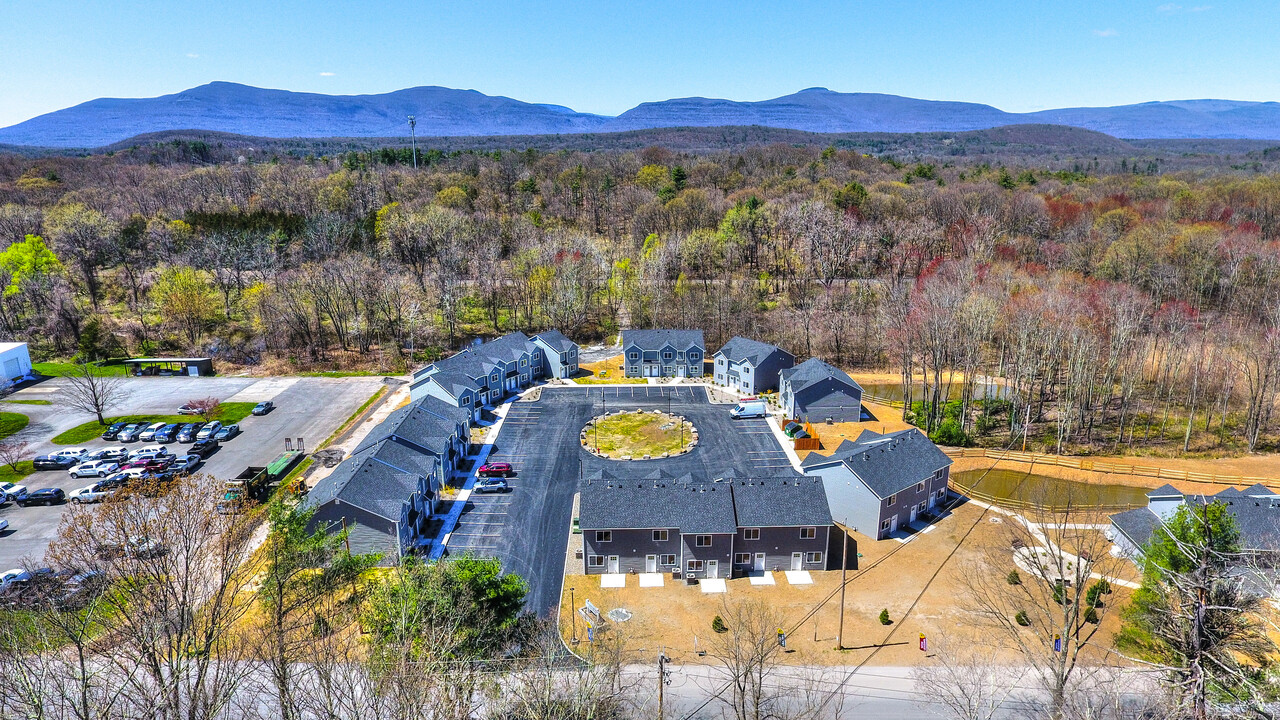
x: 893, y: 524
x: 913, y: 515
x: 797, y: 561
x: 680, y: 371
x: 651, y: 563
x: 613, y: 563
x: 758, y: 565
x: 713, y: 569
x: 651, y: 370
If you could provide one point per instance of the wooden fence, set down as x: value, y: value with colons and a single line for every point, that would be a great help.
x: 810, y: 443
x: 1107, y: 467
x: 883, y: 401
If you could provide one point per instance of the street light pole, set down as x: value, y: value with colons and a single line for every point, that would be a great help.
x: 413, y: 135
x: 844, y: 565
x: 573, y: 616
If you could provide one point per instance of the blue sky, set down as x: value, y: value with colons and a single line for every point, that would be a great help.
x: 605, y: 57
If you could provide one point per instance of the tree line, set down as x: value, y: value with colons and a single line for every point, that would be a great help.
x: 1117, y: 310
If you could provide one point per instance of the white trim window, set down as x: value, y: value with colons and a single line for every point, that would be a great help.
x: 893, y: 499
x: 695, y: 565
x: 633, y: 356
x: 702, y: 541
x: 742, y: 558
x: 659, y: 535
x: 595, y: 561
x: 667, y: 560
x: 809, y: 533
x: 884, y: 525
x: 920, y: 487
x: 813, y: 557
x: 751, y: 533
x: 604, y: 536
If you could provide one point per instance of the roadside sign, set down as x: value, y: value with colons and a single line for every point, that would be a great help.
x: 591, y: 634
x: 782, y: 638
x: 1057, y: 643
x: 924, y: 643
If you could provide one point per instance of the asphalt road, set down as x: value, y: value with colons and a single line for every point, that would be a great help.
x: 527, y: 528
x: 310, y: 408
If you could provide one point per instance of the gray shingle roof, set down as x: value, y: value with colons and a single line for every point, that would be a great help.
x: 1137, y: 524
x: 1165, y: 491
x: 480, y: 360
x: 657, y: 339
x: 813, y: 371
x: 739, y: 349
x: 1256, y: 510
x: 557, y: 340
x: 692, y: 507
x: 781, y: 502
x: 886, y: 464
x: 370, y: 481
x: 429, y: 422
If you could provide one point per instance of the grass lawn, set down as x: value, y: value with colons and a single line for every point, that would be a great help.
x: 638, y: 434
x: 8, y: 474
x: 11, y: 423
x: 232, y: 412
x: 30, y: 402
x: 57, y: 369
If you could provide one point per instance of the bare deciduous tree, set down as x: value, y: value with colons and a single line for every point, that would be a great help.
x: 89, y: 391
x: 12, y: 452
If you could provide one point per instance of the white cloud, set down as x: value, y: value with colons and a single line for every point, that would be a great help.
x: 327, y: 74
x: 193, y: 55
x: 1200, y: 8
x: 1109, y: 32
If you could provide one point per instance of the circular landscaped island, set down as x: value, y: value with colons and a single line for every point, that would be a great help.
x: 639, y: 435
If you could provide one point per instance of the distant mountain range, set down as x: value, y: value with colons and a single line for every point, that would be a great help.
x: 245, y: 110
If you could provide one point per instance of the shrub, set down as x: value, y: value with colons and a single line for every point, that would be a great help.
x: 1013, y: 578
x: 1022, y: 619
x: 1091, y: 616
x: 884, y: 617
x: 1093, y: 596
x: 717, y: 624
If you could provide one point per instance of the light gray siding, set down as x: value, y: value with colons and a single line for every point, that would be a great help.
x: 851, y: 502
x: 366, y: 532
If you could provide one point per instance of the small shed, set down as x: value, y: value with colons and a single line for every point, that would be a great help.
x: 168, y: 366
x: 15, y: 363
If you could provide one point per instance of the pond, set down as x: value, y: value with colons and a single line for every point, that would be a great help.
x: 893, y: 391
x: 1054, y: 493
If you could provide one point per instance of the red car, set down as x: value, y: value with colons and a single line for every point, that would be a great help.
x: 154, y: 464
x: 496, y: 470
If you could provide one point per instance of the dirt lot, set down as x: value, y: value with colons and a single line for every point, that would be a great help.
x: 678, y: 617
x: 612, y: 368
x: 888, y: 420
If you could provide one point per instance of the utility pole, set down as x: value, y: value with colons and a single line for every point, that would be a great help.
x: 1026, y: 426
x: 413, y: 135
x: 844, y: 565
x: 662, y: 680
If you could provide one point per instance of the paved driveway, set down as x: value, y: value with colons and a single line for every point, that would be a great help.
x: 310, y: 408
x: 528, y: 527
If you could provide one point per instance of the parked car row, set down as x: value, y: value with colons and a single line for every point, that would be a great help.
x: 163, y: 432
x: 66, y: 589
x: 492, y: 477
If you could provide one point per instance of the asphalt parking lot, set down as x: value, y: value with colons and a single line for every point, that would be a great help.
x: 310, y: 408
x: 527, y: 527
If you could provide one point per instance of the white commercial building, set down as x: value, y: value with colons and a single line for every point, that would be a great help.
x: 16, y: 362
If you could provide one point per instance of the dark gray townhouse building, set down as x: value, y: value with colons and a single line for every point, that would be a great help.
x: 489, y: 372
x: 750, y: 366
x: 384, y: 493
x: 663, y: 353
x: 878, y: 483
x: 703, y: 528
x: 1256, y: 510
x: 815, y: 391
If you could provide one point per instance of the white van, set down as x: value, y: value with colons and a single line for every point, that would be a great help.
x: 749, y: 408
